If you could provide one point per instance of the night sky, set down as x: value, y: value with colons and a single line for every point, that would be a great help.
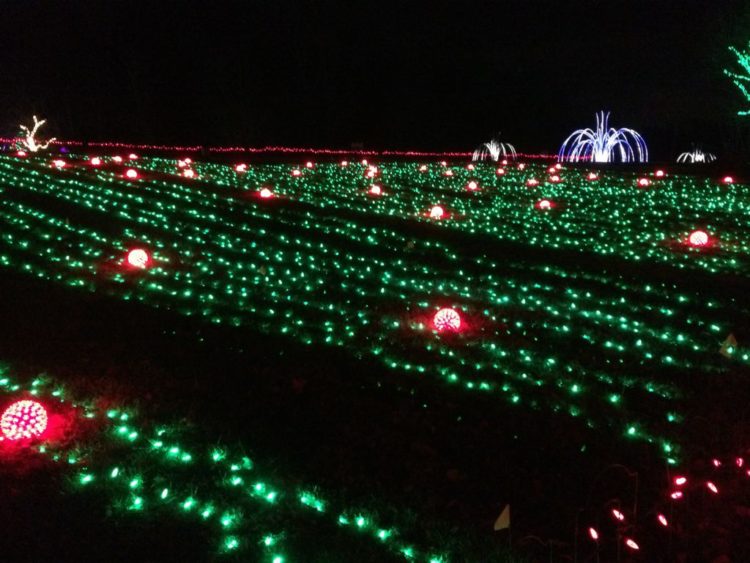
x: 437, y: 75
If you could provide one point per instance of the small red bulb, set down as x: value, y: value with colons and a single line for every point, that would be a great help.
x: 21, y: 153
x: 188, y: 173
x: 713, y: 488
x: 631, y: 544
x: 662, y: 520
x: 240, y: 168
x: 660, y: 174
x: 296, y: 172
x: 618, y: 515
x: 131, y: 173
x: 644, y: 182
x: 728, y: 180
x: 423, y: 168
x: 375, y: 190
x: 680, y: 480
x: 544, y: 204
x: 437, y: 212
x: 117, y: 159
x: 532, y: 182
x: 593, y: 534
x: 265, y: 193
x: 133, y: 156
x: 592, y: 176
x: 700, y: 238
x: 472, y: 186
x: 96, y: 161
x: 500, y: 171
x: 59, y: 163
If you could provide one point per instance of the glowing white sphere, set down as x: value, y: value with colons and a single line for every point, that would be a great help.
x: 698, y: 238
x: 437, y: 212
x: 447, y: 319
x: 138, y: 258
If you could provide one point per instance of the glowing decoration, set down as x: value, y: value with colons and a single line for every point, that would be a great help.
x: 266, y: 193
x: 344, y: 163
x: 500, y: 171
x: 631, y: 544
x: 240, y: 168
x: 592, y: 176
x: 131, y: 173
x: 21, y: 153
x: 447, y: 320
x: 30, y: 142
x: 555, y: 179
x: 23, y: 420
x: 133, y: 156
x: 715, y: 462
x: 741, y: 79
x: 544, y: 204
x: 472, y: 186
x: 470, y: 167
x: 593, y: 534
x: 138, y: 258
x: 680, y: 480
x: 712, y: 487
x: 739, y: 462
x: 423, y: 168
x: 522, y: 166
x: 58, y: 163
x: 117, y: 159
x: 676, y: 495
x: 619, y: 516
x: 662, y: 520
x: 437, y: 212
x: 448, y: 172
x: 375, y: 190
x: 493, y: 150
x: 309, y: 164
x: 699, y: 238
x: 532, y: 182
x: 188, y: 173
x: 644, y: 182
x: 659, y: 174
x: 696, y: 156
x: 728, y: 180
x: 96, y: 161
x: 604, y: 144
x: 296, y: 173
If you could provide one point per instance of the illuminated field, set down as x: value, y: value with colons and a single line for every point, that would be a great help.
x: 593, y: 307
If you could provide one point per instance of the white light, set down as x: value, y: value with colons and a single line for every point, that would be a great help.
x: 696, y: 156
x: 30, y: 142
x: 493, y: 150
x: 604, y: 144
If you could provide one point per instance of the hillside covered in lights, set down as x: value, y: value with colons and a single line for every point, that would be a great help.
x: 456, y: 337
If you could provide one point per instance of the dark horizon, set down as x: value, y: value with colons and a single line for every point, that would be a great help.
x: 425, y: 76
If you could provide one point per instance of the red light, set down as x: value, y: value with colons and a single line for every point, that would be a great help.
x: 554, y: 179
x: 181, y: 164
x: 677, y: 495
x: 716, y: 462
x: 700, y: 238
x: 364, y: 162
x: 662, y: 520
x: 552, y: 170
x: 544, y: 204
x: 472, y: 186
x: 728, y: 180
x: 644, y: 182
x: 680, y: 480
x: 188, y: 173
x: 344, y: 163
x: 739, y: 461
x: 240, y: 168
x: 592, y: 176
x: 521, y: 166
x: 470, y: 167
x: 500, y: 171
x: 437, y: 212
x: 532, y: 182
x: 21, y: 153
x: 138, y: 258
x: 309, y: 164
x: 593, y: 534
x: 188, y: 160
x: 447, y: 320
x: 618, y: 515
x: 131, y: 173
x: 660, y: 173
x: 23, y: 419
x: 117, y: 158
x: 504, y: 162
x: 133, y: 156
x: 296, y: 172
x: 423, y: 168
x: 448, y: 172
x: 443, y: 163
x: 375, y: 189
x: 631, y: 544
x: 265, y: 193
x: 59, y: 163
x: 713, y: 488
x: 558, y: 166
x: 96, y: 161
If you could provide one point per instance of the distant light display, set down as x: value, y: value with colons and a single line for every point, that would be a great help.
x: 696, y: 156
x: 742, y: 78
x: 23, y: 419
x: 493, y: 150
x: 30, y: 141
x: 604, y: 144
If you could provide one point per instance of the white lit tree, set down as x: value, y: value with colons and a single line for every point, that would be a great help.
x: 30, y: 141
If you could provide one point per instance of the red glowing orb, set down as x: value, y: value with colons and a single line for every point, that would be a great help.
x: 551, y: 169
x: 593, y: 534
x: 265, y: 193
x: 660, y: 173
x: 680, y: 480
x: 521, y: 166
x: 188, y: 173
x: 96, y: 161
x: 644, y: 182
x: 344, y: 163
x: 618, y: 515
x: 133, y: 156
x: 117, y: 158
x: 437, y: 212
x: 240, y: 168
x: 544, y: 204
x: 138, y: 258
x: 631, y: 544
x: 309, y: 164
x: 296, y: 172
x: 504, y: 162
x: 662, y: 520
x: 698, y: 238
x: 181, y: 163
x: 558, y: 166
x: 59, y: 163
x: 472, y: 186
x: 555, y: 179
x: 500, y: 171
x: 375, y: 190
x: 470, y: 167
x: 21, y: 153
x: 532, y: 182
x: 448, y: 173
x: 423, y: 168
x: 447, y: 319
x: 443, y: 163
x: 728, y: 180
x: 592, y: 176
x: 364, y: 162
x: 677, y: 495
x: 131, y: 173
x: 23, y: 419
x: 713, y: 488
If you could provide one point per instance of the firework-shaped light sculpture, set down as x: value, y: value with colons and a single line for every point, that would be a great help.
x: 494, y: 150
x: 741, y: 79
x: 604, y: 144
x: 30, y: 141
x: 696, y: 156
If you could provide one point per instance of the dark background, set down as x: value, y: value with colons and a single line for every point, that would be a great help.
x: 425, y: 75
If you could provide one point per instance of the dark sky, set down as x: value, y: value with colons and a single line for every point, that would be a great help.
x: 437, y: 75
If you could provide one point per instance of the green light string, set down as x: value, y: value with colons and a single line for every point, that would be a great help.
x: 150, y: 469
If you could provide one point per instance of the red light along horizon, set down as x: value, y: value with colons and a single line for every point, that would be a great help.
x: 23, y: 420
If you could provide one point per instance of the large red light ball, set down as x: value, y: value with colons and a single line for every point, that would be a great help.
x: 240, y: 168
x: 117, y: 159
x: 644, y: 182
x: 131, y: 173
x: 266, y: 193
x: 188, y: 173
x: 23, y: 419
x: 660, y: 173
x: 96, y: 161
x: 544, y: 204
x: 437, y: 212
x: 138, y: 258
x: 447, y: 319
x: 532, y: 182
x: 728, y: 180
x: 472, y: 186
x: 698, y: 238
x: 375, y: 190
